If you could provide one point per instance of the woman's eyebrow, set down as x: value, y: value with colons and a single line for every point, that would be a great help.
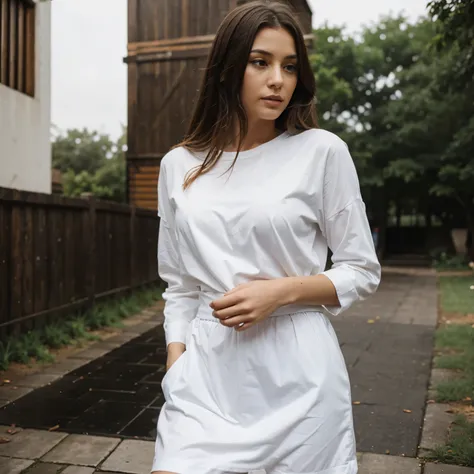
x: 267, y: 53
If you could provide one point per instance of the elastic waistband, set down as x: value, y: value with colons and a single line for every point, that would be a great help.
x: 206, y: 297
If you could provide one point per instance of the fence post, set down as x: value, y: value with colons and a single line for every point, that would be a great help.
x: 132, y: 246
x: 91, y: 250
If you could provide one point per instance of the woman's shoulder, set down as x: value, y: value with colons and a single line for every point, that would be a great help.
x: 320, y: 139
x: 178, y: 157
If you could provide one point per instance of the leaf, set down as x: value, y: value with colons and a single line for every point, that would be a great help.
x: 406, y: 410
x: 54, y: 428
x: 370, y: 321
x: 4, y: 440
x: 356, y: 403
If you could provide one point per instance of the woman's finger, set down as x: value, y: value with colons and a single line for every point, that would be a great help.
x: 225, y: 302
x: 235, y: 321
x: 243, y: 326
x: 230, y: 312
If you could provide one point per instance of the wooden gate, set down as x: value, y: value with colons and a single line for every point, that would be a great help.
x: 169, y: 41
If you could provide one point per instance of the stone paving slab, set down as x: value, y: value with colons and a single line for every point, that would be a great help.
x: 36, y: 380
x: 91, y: 353
x: 78, y: 470
x: 14, y: 466
x: 121, y: 338
x: 63, y: 367
x: 82, y: 450
x: 384, y: 464
x: 431, y: 468
x: 142, y: 327
x: 46, y: 468
x: 131, y: 456
x: 29, y: 444
x: 435, y: 427
x: 11, y: 392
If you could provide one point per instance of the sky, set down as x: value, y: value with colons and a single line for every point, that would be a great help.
x: 89, y: 42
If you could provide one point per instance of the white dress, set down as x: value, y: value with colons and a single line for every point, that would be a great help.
x: 275, y: 396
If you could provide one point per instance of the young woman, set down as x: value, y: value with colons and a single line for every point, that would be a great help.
x: 249, y: 204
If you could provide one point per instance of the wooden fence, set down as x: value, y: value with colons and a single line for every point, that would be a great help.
x: 59, y: 255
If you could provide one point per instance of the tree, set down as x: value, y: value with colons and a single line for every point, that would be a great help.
x: 456, y: 18
x: 91, y: 163
x: 81, y: 150
x: 408, y: 123
x: 357, y: 79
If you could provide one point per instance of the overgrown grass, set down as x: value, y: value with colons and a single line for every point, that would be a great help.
x: 36, y: 344
x: 443, y: 261
x: 456, y: 295
x: 458, y: 340
x: 460, y: 447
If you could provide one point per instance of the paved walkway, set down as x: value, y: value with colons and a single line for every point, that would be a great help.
x: 100, y: 416
x: 387, y: 342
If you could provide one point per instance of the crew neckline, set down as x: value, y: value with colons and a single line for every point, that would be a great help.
x: 230, y: 155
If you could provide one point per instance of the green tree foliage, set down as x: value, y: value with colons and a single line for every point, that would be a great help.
x: 390, y: 95
x: 91, y: 163
x: 456, y: 18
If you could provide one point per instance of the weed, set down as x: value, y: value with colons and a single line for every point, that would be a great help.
x: 460, y: 447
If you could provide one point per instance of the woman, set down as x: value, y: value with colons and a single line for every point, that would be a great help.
x: 249, y: 204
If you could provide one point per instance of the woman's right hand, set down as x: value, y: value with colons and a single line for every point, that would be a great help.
x: 175, y: 351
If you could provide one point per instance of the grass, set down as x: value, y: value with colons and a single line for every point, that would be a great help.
x: 460, y: 447
x: 37, y: 344
x: 456, y: 295
x: 458, y: 340
x: 455, y: 345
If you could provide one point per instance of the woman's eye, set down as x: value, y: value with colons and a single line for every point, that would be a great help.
x: 291, y: 68
x: 259, y: 62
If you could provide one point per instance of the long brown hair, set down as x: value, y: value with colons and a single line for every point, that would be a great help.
x: 219, y: 108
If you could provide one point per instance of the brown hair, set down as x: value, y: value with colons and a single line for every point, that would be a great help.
x: 219, y: 107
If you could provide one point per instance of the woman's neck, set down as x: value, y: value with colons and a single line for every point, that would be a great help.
x: 258, y: 133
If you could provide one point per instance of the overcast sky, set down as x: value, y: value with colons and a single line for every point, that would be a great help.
x: 89, y: 40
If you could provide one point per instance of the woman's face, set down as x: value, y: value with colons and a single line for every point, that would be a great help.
x: 271, y: 75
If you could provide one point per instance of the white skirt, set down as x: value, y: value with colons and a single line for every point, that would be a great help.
x: 273, y: 397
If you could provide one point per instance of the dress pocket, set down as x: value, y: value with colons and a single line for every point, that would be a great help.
x: 171, y: 375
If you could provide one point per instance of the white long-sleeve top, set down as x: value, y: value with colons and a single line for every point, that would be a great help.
x: 274, y: 215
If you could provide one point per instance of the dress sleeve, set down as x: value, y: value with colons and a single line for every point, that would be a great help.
x: 181, y: 294
x: 355, y: 271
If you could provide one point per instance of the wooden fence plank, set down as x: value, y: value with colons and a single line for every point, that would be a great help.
x: 40, y: 241
x: 91, y: 251
x: 69, y: 263
x: 53, y: 257
x: 16, y: 262
x: 28, y: 262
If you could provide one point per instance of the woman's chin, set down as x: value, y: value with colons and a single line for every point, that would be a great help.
x: 269, y: 115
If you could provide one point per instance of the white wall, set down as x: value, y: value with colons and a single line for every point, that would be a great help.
x: 25, y: 148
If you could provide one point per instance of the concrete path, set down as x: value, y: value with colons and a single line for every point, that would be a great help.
x: 387, y: 343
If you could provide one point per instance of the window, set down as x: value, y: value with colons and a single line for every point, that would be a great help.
x: 17, y: 45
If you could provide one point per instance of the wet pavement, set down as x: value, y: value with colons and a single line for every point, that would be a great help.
x: 387, y: 343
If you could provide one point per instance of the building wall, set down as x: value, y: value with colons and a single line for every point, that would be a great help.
x: 25, y: 148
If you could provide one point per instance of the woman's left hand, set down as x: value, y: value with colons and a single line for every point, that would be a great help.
x: 248, y: 303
